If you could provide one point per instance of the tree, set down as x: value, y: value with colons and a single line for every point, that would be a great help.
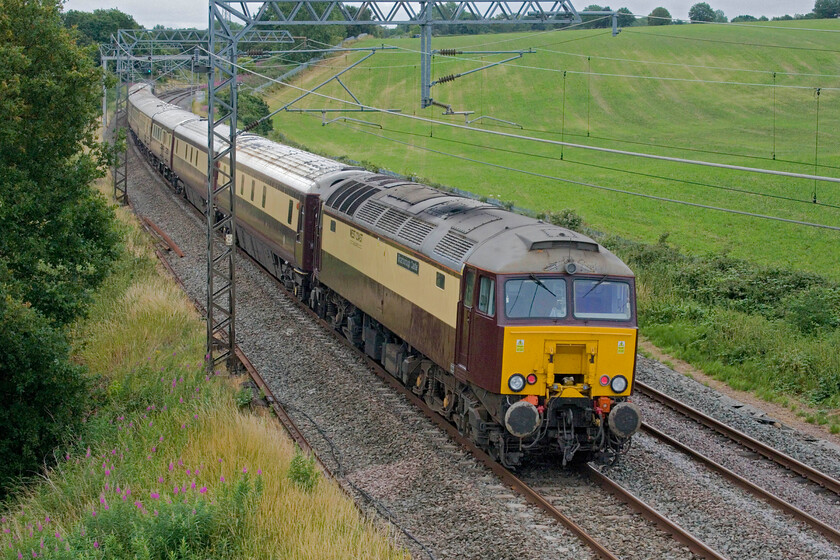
x: 58, y: 238
x: 98, y: 26
x: 827, y: 9
x: 744, y: 19
x: 251, y: 108
x: 701, y: 12
x: 625, y: 18
x: 659, y: 16
x: 41, y: 391
x: 720, y: 17
x: 594, y: 21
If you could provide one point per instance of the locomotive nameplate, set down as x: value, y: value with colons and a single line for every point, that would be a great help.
x: 408, y: 263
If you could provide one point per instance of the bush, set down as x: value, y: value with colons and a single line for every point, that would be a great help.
x: 42, y: 394
x: 566, y: 218
x: 302, y: 472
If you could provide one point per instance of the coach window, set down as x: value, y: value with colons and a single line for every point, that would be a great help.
x: 487, y: 296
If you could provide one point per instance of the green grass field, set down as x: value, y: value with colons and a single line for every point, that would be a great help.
x: 708, y: 97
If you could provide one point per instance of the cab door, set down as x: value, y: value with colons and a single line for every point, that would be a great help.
x: 464, y: 319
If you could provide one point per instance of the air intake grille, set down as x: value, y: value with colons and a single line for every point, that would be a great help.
x: 454, y: 246
x: 391, y: 220
x: 370, y: 212
x: 415, y: 231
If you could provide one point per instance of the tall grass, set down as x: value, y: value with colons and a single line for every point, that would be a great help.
x: 167, y: 465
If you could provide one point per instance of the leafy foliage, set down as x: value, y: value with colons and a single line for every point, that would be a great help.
x: 96, y: 27
x: 701, y: 12
x: 58, y: 239
x: 659, y: 16
x: 625, y: 17
x: 302, y: 472
x: 827, y: 8
x: 566, y: 218
x: 41, y: 392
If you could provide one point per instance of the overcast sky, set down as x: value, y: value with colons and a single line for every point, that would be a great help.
x: 194, y: 13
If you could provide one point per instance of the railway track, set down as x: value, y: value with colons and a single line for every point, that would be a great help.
x: 505, y: 476
x: 741, y: 438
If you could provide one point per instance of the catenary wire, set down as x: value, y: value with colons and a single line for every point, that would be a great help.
x: 619, y: 170
x: 542, y: 140
x: 600, y: 187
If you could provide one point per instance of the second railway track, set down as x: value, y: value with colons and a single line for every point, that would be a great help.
x: 484, y: 543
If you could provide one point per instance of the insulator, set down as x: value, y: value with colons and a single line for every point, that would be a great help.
x: 256, y: 52
x: 448, y: 78
x: 251, y: 126
x: 449, y: 52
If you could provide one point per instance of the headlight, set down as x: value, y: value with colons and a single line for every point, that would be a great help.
x: 516, y: 382
x: 619, y: 384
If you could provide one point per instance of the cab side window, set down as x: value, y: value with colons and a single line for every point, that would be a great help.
x: 469, y: 288
x: 487, y: 296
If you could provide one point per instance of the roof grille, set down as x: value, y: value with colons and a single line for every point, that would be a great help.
x: 352, y: 202
x: 333, y: 199
x: 391, y: 220
x: 415, y: 231
x: 454, y: 246
x: 371, y: 211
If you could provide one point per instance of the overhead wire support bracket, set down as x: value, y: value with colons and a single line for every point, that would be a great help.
x: 335, y: 77
x: 452, y: 77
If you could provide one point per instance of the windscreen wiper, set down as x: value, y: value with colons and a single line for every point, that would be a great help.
x: 601, y: 281
x: 541, y: 285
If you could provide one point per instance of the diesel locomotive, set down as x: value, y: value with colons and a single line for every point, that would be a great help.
x: 521, y: 333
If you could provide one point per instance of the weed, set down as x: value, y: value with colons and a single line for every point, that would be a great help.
x: 303, y: 472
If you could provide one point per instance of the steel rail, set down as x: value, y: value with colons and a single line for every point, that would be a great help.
x: 295, y: 433
x: 165, y: 238
x: 829, y: 532
x: 678, y: 533
x: 763, y: 449
x: 505, y: 475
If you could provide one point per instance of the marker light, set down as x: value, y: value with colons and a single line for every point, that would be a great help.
x: 531, y: 379
x: 516, y: 382
x: 605, y: 380
x: 619, y: 384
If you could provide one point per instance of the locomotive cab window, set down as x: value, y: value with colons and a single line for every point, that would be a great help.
x: 440, y: 280
x: 253, y: 188
x: 291, y: 208
x: 332, y: 225
x: 487, y: 296
x: 534, y: 297
x: 263, y: 196
x: 600, y: 299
